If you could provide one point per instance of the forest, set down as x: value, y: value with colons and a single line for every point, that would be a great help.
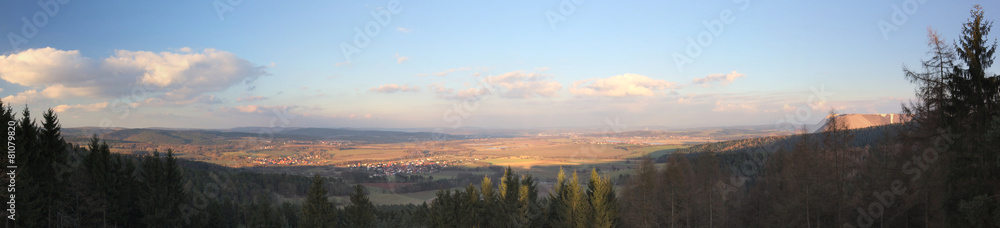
x: 940, y: 170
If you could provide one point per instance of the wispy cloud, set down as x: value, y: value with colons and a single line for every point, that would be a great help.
x: 401, y: 29
x: 401, y: 59
x: 448, y: 71
x: 726, y: 106
x: 514, y: 84
x: 393, y: 88
x: 258, y: 108
x: 440, y: 89
x: 250, y: 98
x: 723, y: 79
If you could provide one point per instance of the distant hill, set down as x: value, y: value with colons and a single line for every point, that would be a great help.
x: 370, y: 136
x: 856, y: 121
x: 210, y: 137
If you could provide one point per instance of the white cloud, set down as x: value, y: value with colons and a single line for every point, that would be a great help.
x: 401, y: 59
x: 401, y: 29
x: 21, y: 98
x: 342, y: 63
x: 87, y: 107
x: 392, y: 88
x: 621, y: 86
x: 173, y: 76
x: 724, y: 79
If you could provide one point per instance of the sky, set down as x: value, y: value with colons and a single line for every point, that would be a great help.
x: 457, y: 64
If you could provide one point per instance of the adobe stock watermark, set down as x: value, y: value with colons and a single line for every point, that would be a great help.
x: 363, y: 37
x: 803, y: 113
x: 201, y: 197
x: 713, y: 29
x: 29, y: 28
x: 612, y: 129
x: 459, y: 112
x: 884, y: 200
x: 743, y: 171
x: 279, y: 120
x: 756, y: 159
x: 565, y: 9
x: 123, y: 106
x: 463, y: 109
x: 899, y: 16
x: 223, y: 7
x: 12, y: 174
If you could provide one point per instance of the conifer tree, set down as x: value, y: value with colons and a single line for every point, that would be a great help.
x: 37, y: 197
x: 316, y: 210
x: 578, y: 206
x: 603, y: 203
x: 530, y: 210
x: 556, y: 208
x: 361, y: 212
x: 489, y: 202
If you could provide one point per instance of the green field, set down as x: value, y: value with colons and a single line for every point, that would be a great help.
x: 453, y: 174
x: 407, y: 198
x: 501, y: 161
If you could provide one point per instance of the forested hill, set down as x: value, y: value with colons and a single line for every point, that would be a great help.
x: 861, y: 137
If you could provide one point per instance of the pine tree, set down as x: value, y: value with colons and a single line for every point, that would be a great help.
x: 556, y: 208
x: 530, y: 209
x: 164, y: 191
x: 975, y: 101
x: 471, y: 207
x: 361, y: 212
x: 510, y: 188
x: 489, y: 207
x: 579, y: 207
x: 443, y: 210
x: 317, y: 209
x: 53, y: 153
x: 37, y: 197
x: 603, y: 203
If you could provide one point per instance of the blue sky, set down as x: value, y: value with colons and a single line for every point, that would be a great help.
x: 493, y: 64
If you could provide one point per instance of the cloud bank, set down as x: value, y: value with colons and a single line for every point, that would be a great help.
x: 625, y: 85
x: 169, y: 76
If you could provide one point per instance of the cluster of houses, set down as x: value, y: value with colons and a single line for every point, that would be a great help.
x: 291, y: 160
x: 423, y: 165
